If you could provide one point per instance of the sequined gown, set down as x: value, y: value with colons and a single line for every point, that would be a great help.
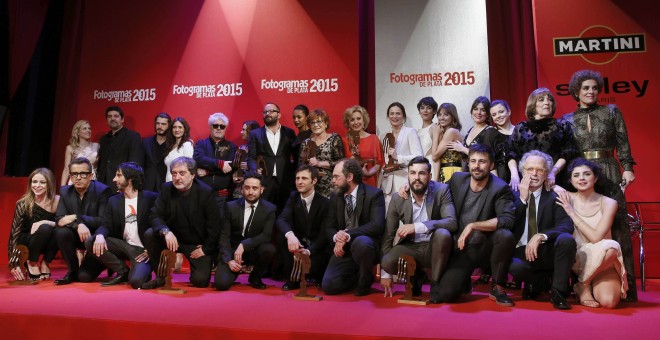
x: 332, y: 150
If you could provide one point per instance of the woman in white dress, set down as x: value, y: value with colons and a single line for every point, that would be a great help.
x: 427, y: 108
x: 599, y: 262
x: 179, y: 142
x: 80, y: 145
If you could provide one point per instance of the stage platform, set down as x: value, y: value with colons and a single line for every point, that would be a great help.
x: 89, y: 311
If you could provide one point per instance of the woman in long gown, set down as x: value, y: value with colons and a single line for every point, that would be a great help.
x: 180, y: 143
x: 500, y: 113
x: 427, y: 108
x: 481, y: 133
x: 80, y: 145
x: 330, y: 149
x: 448, y: 130
x: 598, y: 262
x: 356, y: 120
x: 599, y: 131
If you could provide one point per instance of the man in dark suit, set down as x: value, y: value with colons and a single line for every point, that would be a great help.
x: 119, y: 145
x: 155, y: 151
x: 273, y: 142
x: 245, y: 236
x: 78, y: 216
x: 355, y: 224
x: 485, y: 210
x: 544, y: 232
x: 184, y: 219
x: 214, y: 156
x: 420, y: 226
x: 121, y: 234
x: 301, y: 226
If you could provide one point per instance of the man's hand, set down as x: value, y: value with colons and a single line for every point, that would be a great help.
x: 464, y: 235
x: 523, y: 187
x: 83, y: 232
x: 100, y: 245
x: 405, y: 230
x: 339, y: 249
x: 66, y: 220
x: 226, y: 167
x: 342, y: 236
x: 293, y: 243
x: 238, y: 254
x: 531, y: 251
x: 142, y: 257
x: 171, y: 241
x: 387, y: 286
x: 197, y: 253
x: 234, y: 266
x: 202, y: 172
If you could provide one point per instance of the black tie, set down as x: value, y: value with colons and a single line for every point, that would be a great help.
x: 249, y: 222
x: 532, y: 229
x: 349, y: 205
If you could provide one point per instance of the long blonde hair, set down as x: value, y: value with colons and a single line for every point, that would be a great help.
x: 29, y: 199
x: 75, y: 139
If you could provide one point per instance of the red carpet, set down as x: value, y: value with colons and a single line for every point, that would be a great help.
x: 84, y: 311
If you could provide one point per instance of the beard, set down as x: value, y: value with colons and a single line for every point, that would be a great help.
x: 341, y: 189
x: 270, y: 121
x: 418, y: 191
x: 478, y: 176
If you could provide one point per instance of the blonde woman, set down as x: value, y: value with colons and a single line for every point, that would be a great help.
x: 80, y: 145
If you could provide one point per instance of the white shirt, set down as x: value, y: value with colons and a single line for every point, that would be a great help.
x: 246, y: 214
x: 523, y: 239
x: 274, y: 141
x: 186, y: 150
x: 131, y: 235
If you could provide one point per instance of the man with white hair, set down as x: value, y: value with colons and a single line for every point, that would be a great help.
x: 214, y: 156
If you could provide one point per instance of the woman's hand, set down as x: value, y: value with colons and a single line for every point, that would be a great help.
x: 457, y: 146
x: 626, y: 179
x: 564, y: 199
x: 515, y: 181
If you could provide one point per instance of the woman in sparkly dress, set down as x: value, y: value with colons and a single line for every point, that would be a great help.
x: 447, y: 130
x: 80, y: 145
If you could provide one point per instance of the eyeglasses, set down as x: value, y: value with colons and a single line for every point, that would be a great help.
x: 267, y: 112
x: 219, y: 126
x: 316, y: 122
x: 535, y: 170
x: 82, y: 175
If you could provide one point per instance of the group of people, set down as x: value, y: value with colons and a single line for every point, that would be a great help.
x: 492, y: 200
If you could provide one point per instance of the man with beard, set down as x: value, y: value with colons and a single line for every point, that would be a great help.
x: 214, y: 156
x: 119, y: 145
x: 485, y: 210
x: 273, y: 142
x: 78, y: 215
x: 421, y: 227
x: 355, y: 223
x: 121, y: 234
x: 245, y: 236
x: 155, y: 150
x: 184, y: 219
x: 544, y: 232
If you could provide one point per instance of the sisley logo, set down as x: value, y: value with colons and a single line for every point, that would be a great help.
x: 599, y: 44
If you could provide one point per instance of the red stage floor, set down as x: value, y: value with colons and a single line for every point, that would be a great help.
x: 81, y: 311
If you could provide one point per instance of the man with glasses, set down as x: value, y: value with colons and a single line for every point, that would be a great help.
x: 214, y: 157
x: 119, y: 145
x: 78, y: 216
x: 546, y: 247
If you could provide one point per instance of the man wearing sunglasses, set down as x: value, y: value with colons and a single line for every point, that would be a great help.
x: 214, y: 157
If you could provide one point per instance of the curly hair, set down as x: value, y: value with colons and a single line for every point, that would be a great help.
x: 580, y: 77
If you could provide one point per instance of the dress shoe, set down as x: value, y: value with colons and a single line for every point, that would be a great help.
x: 362, y: 291
x: 498, y: 294
x: 257, y: 284
x: 67, y: 279
x: 290, y: 285
x: 153, y: 284
x: 121, y: 278
x: 530, y: 292
x: 559, y: 301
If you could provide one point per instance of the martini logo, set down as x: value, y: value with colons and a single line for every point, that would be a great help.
x: 599, y: 44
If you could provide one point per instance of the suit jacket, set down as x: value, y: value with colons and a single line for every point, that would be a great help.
x: 439, y: 207
x: 282, y: 157
x: 260, y: 232
x: 204, y: 155
x: 154, y: 165
x: 113, y: 220
x: 551, y: 218
x: 96, y: 200
x: 203, y: 213
x: 497, y: 200
x: 125, y: 146
x: 370, y: 209
x: 305, y: 225
x: 407, y: 147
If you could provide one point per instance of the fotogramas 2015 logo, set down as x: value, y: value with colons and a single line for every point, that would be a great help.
x: 600, y: 44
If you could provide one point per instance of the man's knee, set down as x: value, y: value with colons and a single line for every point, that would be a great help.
x: 503, y: 237
x: 442, y: 238
x: 362, y: 244
x: 565, y: 241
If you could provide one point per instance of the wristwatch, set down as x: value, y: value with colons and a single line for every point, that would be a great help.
x: 164, y: 231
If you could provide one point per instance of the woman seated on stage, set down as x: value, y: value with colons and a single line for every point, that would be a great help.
x: 356, y: 120
x: 445, y: 132
x: 598, y: 263
x: 179, y: 142
x: 34, y: 219
x: 80, y: 145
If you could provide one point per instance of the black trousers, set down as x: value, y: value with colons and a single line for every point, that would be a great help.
x: 355, y: 267
x: 41, y: 242
x: 482, y: 247
x: 260, y: 257
x: 200, y: 268
x: 557, y: 257
x: 68, y: 241
x: 434, y: 254
x: 113, y: 258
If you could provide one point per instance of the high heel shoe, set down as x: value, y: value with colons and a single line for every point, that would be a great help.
x: 580, y: 288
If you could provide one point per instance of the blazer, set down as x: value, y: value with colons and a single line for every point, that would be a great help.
x: 203, y: 213
x: 125, y: 146
x: 113, y: 220
x: 407, y: 147
x: 282, y: 157
x: 439, y: 207
x: 497, y: 200
x: 370, y: 209
x: 95, y: 203
x: 305, y: 225
x: 154, y: 165
x: 551, y: 218
x: 231, y: 234
x: 204, y: 155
